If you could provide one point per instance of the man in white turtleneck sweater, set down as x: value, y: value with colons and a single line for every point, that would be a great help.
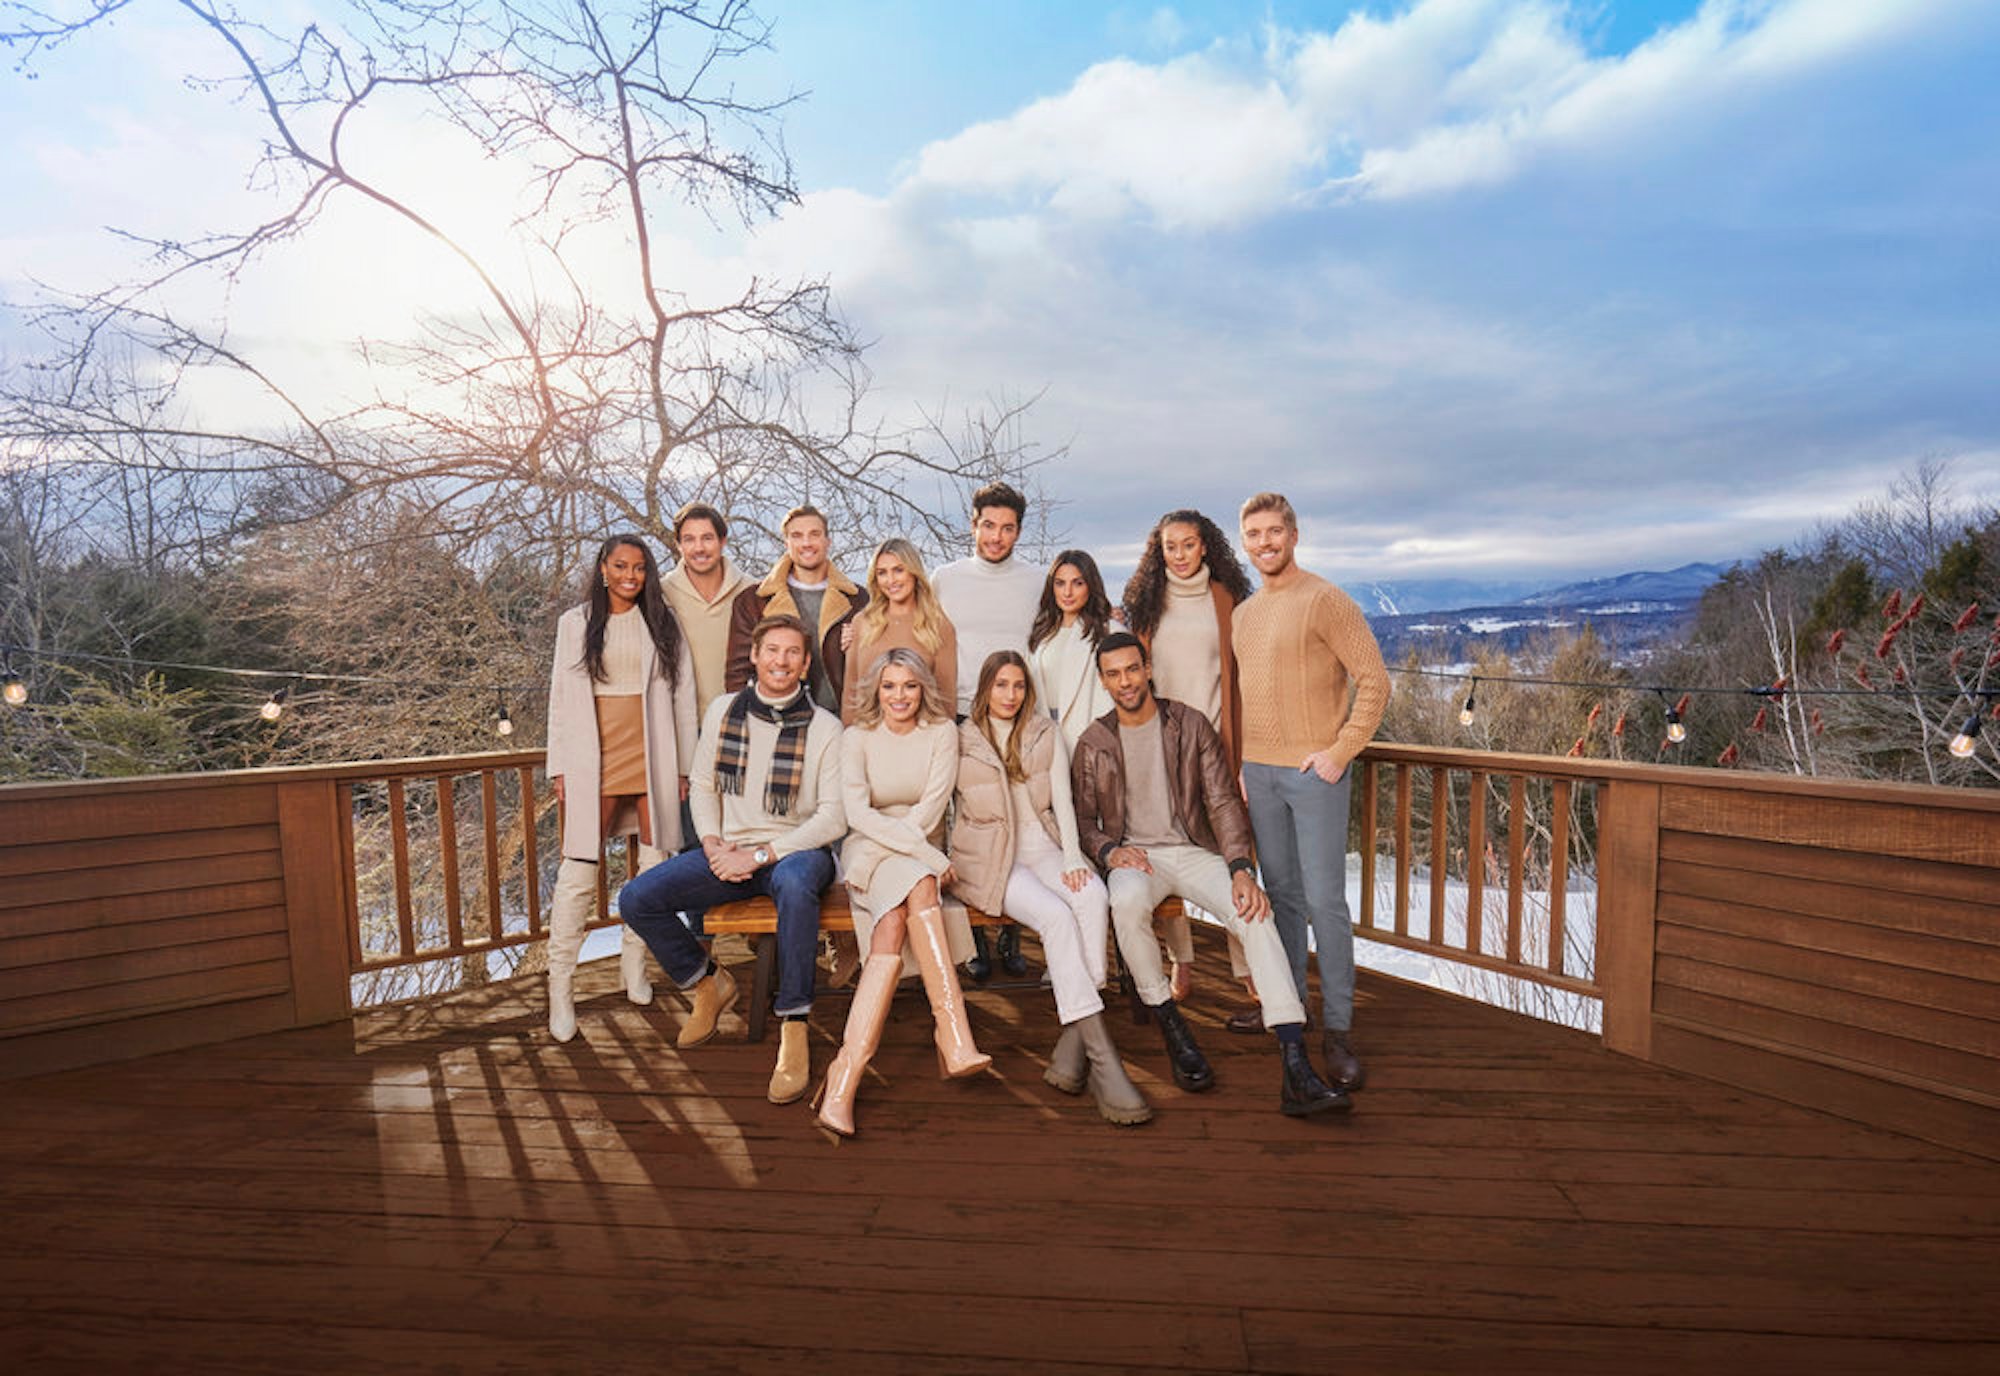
x: 991, y: 596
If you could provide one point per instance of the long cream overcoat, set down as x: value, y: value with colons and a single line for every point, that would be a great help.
x: 573, y: 755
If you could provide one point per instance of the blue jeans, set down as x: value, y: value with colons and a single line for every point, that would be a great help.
x: 652, y: 905
x: 690, y: 841
x: 1301, y: 825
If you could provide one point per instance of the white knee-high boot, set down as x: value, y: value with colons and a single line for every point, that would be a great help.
x: 632, y: 949
x: 569, y: 911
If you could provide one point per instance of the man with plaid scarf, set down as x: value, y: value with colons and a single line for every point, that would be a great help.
x: 765, y: 793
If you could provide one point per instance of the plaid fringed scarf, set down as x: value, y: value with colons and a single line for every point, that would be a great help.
x: 788, y: 761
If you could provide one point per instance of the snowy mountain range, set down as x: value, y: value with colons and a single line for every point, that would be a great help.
x: 1632, y: 611
x: 1408, y: 597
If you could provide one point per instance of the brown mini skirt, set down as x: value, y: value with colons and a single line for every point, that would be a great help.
x: 621, y: 744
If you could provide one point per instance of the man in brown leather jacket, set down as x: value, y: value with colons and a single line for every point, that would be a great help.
x: 1158, y: 809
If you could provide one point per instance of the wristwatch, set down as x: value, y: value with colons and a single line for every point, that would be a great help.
x: 762, y: 855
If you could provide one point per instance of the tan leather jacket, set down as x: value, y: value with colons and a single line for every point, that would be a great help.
x: 1206, y: 802
x: 982, y: 830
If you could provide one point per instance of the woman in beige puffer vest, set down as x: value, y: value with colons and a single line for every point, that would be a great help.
x: 1014, y: 851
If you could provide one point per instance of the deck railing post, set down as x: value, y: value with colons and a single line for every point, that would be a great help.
x: 312, y: 842
x: 1628, y: 869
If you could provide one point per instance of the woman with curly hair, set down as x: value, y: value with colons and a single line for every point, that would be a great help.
x: 1179, y: 602
x: 1074, y: 615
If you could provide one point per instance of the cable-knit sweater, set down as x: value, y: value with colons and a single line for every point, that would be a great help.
x: 1299, y: 649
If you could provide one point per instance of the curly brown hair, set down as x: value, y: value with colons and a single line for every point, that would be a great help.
x: 1146, y: 591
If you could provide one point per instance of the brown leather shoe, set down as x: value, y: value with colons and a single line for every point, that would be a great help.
x: 1343, y: 1067
x: 1247, y: 1021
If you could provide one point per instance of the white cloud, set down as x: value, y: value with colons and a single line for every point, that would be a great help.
x: 1443, y: 96
x: 1187, y: 141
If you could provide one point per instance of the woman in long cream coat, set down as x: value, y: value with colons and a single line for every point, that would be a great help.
x: 621, y: 737
x: 1014, y: 851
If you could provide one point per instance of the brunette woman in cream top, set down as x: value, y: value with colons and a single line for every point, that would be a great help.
x: 621, y: 736
x: 1014, y: 851
x: 1075, y: 614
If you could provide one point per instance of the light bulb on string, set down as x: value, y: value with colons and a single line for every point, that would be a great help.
x: 11, y: 687
x: 1967, y: 739
x: 274, y: 706
x: 503, y: 725
x: 1465, y: 712
x: 1676, y: 729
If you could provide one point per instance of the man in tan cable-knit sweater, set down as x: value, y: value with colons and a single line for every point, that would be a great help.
x: 1302, y: 647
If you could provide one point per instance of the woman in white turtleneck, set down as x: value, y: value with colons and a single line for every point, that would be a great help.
x: 1179, y: 601
x: 1075, y: 614
x: 1014, y: 851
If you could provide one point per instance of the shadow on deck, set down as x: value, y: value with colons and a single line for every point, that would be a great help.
x: 440, y: 1187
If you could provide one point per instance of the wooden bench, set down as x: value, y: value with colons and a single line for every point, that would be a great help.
x: 758, y: 918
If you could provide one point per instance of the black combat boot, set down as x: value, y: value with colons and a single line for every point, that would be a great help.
x: 1304, y: 1093
x: 1191, y: 1069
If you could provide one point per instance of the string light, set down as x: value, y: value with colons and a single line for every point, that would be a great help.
x: 1967, y: 740
x: 1676, y: 729
x: 14, y: 690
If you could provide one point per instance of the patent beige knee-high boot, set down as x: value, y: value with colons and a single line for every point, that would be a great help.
x: 858, y: 1043
x: 569, y: 909
x: 957, y: 1056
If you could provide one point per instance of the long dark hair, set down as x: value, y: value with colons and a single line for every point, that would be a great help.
x: 1096, y: 612
x: 981, y: 715
x: 666, y: 631
x: 1146, y: 592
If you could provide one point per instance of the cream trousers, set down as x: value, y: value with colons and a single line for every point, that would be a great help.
x: 1200, y: 877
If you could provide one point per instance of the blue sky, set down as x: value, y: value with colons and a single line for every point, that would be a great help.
x: 1507, y: 288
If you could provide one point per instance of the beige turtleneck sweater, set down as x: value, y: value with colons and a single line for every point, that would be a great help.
x: 1187, y: 647
x: 1299, y: 650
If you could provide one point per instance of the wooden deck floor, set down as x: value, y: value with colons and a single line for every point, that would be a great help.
x: 443, y: 1189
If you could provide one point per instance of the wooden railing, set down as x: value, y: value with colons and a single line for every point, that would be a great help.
x: 1507, y: 836
x: 447, y: 858
x: 1835, y: 943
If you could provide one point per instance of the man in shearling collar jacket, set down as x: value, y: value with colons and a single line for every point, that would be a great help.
x: 1157, y: 808
x: 805, y: 584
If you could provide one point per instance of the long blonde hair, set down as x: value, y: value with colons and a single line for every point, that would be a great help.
x: 868, y: 713
x: 981, y: 715
x: 872, y: 620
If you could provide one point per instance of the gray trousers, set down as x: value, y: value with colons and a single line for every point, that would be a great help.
x: 1301, y: 826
